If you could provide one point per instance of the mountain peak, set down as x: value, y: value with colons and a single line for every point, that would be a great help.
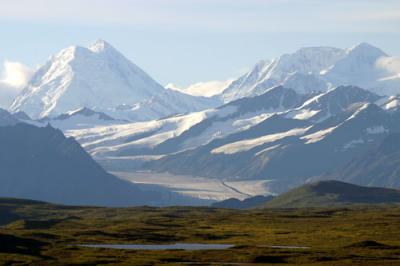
x: 352, y: 89
x: 98, y: 77
x: 102, y: 79
x: 366, y: 49
x: 100, y: 45
x: 363, y: 45
x: 365, y: 111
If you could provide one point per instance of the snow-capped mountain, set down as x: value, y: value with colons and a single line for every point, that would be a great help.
x: 320, y: 69
x: 102, y: 79
x: 303, y: 64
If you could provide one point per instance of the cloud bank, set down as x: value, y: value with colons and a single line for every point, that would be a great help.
x: 390, y: 64
x: 14, y: 78
x: 206, y: 89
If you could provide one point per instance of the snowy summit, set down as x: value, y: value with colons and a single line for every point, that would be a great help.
x: 100, y: 78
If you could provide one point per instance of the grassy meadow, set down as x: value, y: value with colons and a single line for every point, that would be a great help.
x: 45, y: 234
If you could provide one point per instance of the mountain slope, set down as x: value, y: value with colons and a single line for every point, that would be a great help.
x: 379, y: 166
x: 331, y: 103
x: 333, y: 193
x: 42, y: 164
x: 99, y: 78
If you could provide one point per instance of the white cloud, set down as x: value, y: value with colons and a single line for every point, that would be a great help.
x: 206, y: 89
x: 16, y: 74
x: 14, y: 78
x: 390, y: 63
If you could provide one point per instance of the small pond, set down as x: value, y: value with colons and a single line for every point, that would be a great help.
x: 185, y: 246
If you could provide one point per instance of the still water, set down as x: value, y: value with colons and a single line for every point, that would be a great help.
x: 185, y: 246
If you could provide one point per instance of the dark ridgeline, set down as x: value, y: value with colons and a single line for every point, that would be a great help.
x: 42, y: 164
x: 247, y: 203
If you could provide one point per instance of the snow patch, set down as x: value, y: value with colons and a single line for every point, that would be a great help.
x: 317, y: 136
x: 363, y: 107
x: 353, y: 143
x: 390, y: 103
x: 303, y: 114
x: 248, y: 144
x: 267, y: 149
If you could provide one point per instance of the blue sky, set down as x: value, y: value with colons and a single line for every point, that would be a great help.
x: 188, y: 41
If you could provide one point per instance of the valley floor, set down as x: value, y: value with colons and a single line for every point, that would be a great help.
x: 47, y: 234
x: 200, y: 187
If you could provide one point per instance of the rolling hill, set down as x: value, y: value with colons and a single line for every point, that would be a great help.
x: 333, y: 193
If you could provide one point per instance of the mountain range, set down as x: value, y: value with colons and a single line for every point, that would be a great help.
x: 313, y: 69
x: 252, y: 138
x: 290, y: 150
x: 318, y: 113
